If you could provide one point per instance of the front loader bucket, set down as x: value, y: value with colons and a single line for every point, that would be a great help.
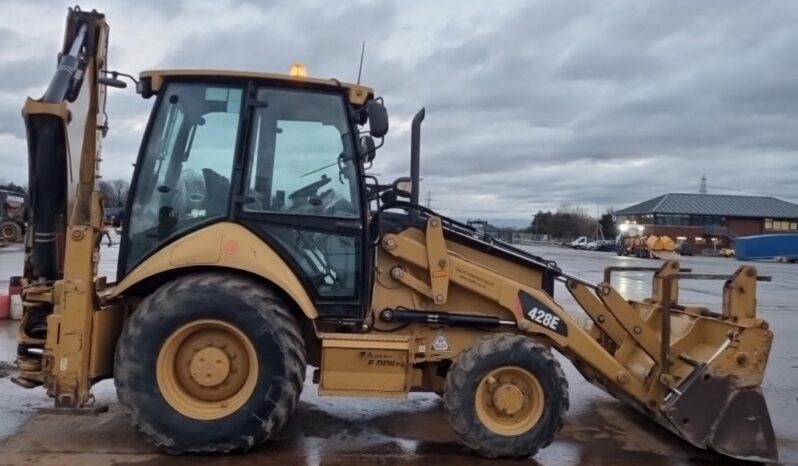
x: 713, y: 413
x: 700, y: 371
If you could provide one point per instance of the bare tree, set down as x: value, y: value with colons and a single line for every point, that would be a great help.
x: 115, y: 192
x: 108, y: 193
x: 121, y: 189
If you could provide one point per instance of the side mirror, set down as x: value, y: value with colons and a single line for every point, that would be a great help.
x: 368, y: 150
x: 403, y: 186
x: 378, y: 118
x: 112, y: 82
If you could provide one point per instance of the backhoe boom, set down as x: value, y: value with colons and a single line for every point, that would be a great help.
x: 64, y: 130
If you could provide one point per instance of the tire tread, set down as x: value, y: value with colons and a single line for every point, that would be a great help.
x: 270, y: 307
x: 465, y: 422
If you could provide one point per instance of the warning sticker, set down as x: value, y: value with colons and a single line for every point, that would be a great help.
x: 441, y: 344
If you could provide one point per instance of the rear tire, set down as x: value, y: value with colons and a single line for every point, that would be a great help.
x: 244, y: 324
x: 506, y: 366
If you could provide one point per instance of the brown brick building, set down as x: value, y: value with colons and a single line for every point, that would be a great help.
x: 709, y: 220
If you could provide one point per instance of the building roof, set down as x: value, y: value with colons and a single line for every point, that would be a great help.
x: 715, y: 204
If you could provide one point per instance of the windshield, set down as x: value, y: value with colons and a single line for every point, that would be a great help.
x: 184, y: 173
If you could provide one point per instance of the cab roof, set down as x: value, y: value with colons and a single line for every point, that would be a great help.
x: 357, y: 94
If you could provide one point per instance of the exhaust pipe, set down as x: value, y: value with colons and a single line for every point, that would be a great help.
x: 415, y: 155
x: 415, y: 160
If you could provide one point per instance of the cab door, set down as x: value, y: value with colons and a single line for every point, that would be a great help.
x: 301, y: 192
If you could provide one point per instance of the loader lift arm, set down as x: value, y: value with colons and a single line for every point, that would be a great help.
x: 630, y: 350
x: 657, y: 355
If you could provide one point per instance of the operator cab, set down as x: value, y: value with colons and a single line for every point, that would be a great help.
x: 280, y: 155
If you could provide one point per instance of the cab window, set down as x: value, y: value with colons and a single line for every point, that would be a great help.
x: 184, y: 173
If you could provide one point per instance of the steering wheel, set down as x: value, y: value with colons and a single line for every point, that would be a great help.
x: 309, y: 190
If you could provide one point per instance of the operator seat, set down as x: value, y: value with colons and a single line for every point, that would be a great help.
x: 217, y: 190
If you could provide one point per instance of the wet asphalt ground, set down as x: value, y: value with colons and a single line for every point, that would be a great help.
x: 599, y: 430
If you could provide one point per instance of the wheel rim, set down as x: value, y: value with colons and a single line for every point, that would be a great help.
x: 7, y: 232
x: 207, y: 369
x: 510, y: 401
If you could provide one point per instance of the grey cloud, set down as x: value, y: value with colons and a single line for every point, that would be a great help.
x: 586, y: 102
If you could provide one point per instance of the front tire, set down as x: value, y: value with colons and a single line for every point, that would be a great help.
x: 506, y: 396
x: 210, y: 363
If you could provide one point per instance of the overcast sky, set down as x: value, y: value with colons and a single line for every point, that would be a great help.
x: 529, y: 104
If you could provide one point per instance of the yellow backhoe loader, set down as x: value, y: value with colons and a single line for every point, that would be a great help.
x: 255, y: 245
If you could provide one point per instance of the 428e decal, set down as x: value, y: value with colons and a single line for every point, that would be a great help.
x: 541, y: 315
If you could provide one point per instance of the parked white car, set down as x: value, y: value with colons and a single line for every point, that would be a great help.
x: 579, y: 243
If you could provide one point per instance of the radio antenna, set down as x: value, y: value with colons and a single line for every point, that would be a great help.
x: 360, y: 68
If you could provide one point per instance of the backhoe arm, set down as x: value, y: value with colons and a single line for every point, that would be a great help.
x: 64, y: 131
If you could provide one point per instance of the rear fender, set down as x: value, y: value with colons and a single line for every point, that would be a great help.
x: 223, y: 245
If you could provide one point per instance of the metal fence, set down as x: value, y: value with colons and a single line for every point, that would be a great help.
x: 530, y: 238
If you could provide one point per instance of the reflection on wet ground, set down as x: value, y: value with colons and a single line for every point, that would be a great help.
x: 599, y: 430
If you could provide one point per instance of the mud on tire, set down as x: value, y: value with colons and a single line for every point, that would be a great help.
x: 474, y: 364
x: 254, y: 310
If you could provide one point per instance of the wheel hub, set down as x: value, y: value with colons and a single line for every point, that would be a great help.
x: 210, y: 366
x: 207, y: 369
x: 508, y: 399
